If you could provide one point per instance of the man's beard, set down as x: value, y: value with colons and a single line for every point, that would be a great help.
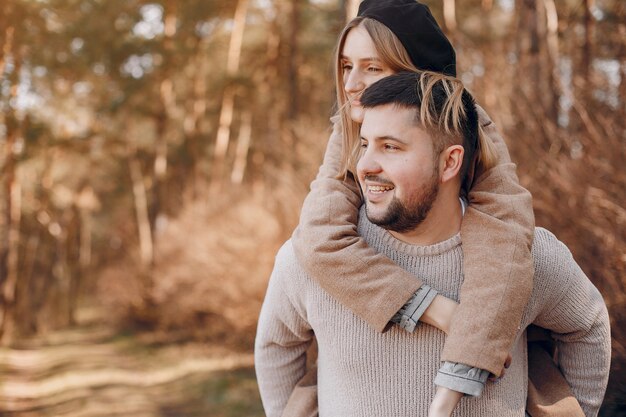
x: 402, y: 217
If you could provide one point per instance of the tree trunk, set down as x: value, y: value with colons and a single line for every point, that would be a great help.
x: 534, y: 48
x: 534, y: 73
x: 552, y: 72
x: 80, y: 271
x: 84, y: 257
x: 243, y: 145
x: 13, y: 204
x: 160, y: 165
x: 449, y: 17
x: 166, y: 109
x: 223, y: 138
x: 351, y: 8
x: 587, y: 50
x: 289, y: 131
x: 293, y: 60
x: 62, y: 271
x: 27, y: 309
x: 36, y: 290
x: 146, y: 249
x: 6, y: 47
x: 8, y: 173
x: 193, y: 120
x: 86, y: 202
x: 7, y: 316
x: 269, y: 105
x: 228, y: 99
x: 622, y: 82
x: 492, y: 90
x: 581, y: 67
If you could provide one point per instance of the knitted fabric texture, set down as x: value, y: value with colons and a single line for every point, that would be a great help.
x: 365, y: 373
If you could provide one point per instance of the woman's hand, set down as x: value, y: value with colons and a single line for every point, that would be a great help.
x: 444, y: 403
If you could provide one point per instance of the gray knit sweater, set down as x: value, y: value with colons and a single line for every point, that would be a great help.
x: 364, y: 373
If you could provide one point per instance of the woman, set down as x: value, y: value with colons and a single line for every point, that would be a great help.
x: 386, y: 38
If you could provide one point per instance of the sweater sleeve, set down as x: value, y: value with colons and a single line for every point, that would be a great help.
x: 283, y: 337
x: 497, y: 232
x: 330, y: 249
x: 578, y: 320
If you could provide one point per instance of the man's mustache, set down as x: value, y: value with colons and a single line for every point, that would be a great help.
x: 378, y: 179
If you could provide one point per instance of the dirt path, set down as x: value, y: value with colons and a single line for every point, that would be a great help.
x: 90, y: 371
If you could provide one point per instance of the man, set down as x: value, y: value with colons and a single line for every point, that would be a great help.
x: 419, y: 133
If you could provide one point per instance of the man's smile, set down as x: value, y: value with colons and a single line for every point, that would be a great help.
x: 379, y: 188
x: 376, y: 193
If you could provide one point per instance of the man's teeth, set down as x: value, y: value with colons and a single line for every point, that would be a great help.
x: 380, y: 188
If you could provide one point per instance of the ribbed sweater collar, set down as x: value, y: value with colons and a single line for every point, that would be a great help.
x: 377, y: 235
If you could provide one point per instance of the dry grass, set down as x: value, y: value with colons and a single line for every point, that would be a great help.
x: 577, y: 179
x: 214, y: 261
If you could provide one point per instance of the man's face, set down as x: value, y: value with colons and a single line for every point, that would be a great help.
x: 398, y: 169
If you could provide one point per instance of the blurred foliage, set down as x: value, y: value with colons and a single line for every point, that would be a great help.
x: 153, y: 164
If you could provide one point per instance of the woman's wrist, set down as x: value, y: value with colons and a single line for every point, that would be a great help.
x: 444, y: 402
x: 439, y: 313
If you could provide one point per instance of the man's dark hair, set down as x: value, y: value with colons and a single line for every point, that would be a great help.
x: 442, y: 106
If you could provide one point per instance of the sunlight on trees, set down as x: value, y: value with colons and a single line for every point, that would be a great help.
x: 155, y: 154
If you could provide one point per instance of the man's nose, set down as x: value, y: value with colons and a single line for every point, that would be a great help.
x: 354, y: 82
x: 368, y: 164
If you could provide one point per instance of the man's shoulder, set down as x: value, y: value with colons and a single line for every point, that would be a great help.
x: 288, y: 271
x: 290, y: 282
x: 548, y: 251
x: 555, y: 268
x: 286, y: 260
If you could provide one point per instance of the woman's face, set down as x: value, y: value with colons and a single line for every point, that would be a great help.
x: 361, y: 67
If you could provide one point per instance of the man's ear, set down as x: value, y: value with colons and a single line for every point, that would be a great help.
x: 451, y: 160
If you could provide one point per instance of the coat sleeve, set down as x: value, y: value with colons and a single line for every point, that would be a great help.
x: 497, y: 232
x: 283, y: 337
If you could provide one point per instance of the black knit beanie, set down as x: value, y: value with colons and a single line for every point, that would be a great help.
x: 417, y: 30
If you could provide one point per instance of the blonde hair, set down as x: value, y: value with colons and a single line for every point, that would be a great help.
x: 446, y: 120
x: 394, y: 55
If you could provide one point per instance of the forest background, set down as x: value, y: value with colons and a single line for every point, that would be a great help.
x: 155, y: 155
